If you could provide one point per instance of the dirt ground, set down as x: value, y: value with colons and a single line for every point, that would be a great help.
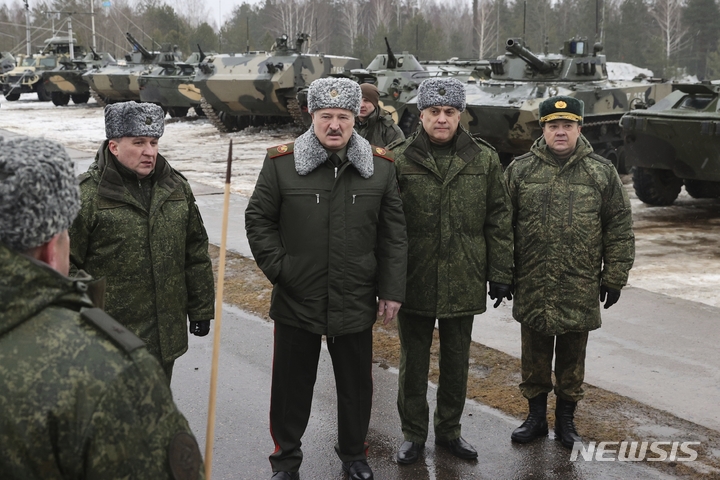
x: 494, y: 378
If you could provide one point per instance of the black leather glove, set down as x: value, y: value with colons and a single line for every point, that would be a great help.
x: 200, y: 328
x: 612, y: 294
x: 498, y: 291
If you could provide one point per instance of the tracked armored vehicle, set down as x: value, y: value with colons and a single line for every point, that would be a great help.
x: 504, y: 109
x: 258, y: 87
x: 172, y: 87
x: 118, y: 82
x: 676, y: 142
x: 67, y: 81
x: 27, y: 76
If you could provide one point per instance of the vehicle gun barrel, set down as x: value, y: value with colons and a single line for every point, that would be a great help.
x: 515, y: 45
x: 391, y: 60
x: 138, y: 45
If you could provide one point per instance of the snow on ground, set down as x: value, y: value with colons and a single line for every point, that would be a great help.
x: 626, y: 71
x: 677, y: 247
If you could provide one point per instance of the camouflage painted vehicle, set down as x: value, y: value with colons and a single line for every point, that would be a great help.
x: 7, y: 62
x: 118, y: 82
x: 67, y: 81
x: 504, y: 109
x: 172, y: 87
x: 258, y: 87
x: 398, y: 77
x: 27, y: 76
x: 676, y: 142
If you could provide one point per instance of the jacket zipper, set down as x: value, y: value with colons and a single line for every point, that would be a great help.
x: 317, y: 197
x: 545, y: 201
x: 572, y: 196
x: 354, y: 199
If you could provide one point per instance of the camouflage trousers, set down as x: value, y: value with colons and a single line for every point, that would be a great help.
x: 416, y: 335
x: 537, y: 356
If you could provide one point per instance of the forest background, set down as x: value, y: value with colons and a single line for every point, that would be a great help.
x: 673, y: 38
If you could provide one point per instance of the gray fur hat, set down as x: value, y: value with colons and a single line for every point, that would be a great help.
x: 131, y: 119
x: 334, y: 93
x: 39, y: 193
x: 436, y: 92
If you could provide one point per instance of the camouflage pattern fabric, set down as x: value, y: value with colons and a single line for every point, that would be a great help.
x: 459, y: 229
x: 573, y: 231
x: 155, y: 259
x: 80, y: 402
x: 379, y: 129
x: 537, y: 367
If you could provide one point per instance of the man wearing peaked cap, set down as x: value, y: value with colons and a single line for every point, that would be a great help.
x: 374, y: 123
x: 459, y: 229
x: 325, y: 225
x: 140, y: 229
x: 81, y: 395
x: 574, y: 245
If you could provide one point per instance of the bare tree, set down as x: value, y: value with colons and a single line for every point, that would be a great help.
x: 350, y: 13
x: 667, y: 14
x: 486, y: 27
x: 297, y: 16
x: 380, y: 12
x: 194, y: 12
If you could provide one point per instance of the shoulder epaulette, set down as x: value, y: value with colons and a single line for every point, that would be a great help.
x: 83, y: 176
x: 395, y: 143
x: 383, y: 153
x: 477, y: 138
x: 524, y: 156
x: 281, y: 150
x: 600, y: 159
x: 120, y: 335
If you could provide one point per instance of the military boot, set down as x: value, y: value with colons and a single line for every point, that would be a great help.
x: 535, y: 426
x: 565, y: 431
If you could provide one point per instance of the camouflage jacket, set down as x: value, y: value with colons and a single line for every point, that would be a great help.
x: 379, y: 129
x: 156, y: 262
x: 459, y: 231
x: 573, y: 231
x: 330, y: 240
x: 81, y: 396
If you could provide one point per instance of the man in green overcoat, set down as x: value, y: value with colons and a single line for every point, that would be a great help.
x: 81, y: 396
x: 140, y: 228
x: 574, y: 244
x: 459, y: 238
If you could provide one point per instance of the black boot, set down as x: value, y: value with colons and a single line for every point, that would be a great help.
x: 535, y: 426
x: 565, y: 431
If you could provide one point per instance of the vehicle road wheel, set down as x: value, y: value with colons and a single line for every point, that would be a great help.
x: 42, y: 94
x: 12, y: 97
x: 702, y: 188
x: 655, y: 186
x: 178, y: 111
x: 199, y: 111
x: 60, y: 99
x: 79, y: 98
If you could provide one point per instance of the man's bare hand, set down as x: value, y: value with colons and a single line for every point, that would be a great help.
x: 388, y: 309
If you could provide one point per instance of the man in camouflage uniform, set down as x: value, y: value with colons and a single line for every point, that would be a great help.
x: 325, y: 225
x: 460, y: 237
x: 375, y: 124
x: 81, y: 396
x: 140, y: 229
x: 573, y: 244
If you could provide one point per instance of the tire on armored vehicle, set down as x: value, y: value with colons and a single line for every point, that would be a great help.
x: 702, y: 188
x: 60, y: 99
x: 655, y: 186
x: 79, y: 98
x: 12, y: 97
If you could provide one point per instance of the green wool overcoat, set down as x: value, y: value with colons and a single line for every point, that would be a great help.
x: 459, y: 230
x: 330, y: 241
x: 80, y: 399
x: 380, y: 129
x: 573, y: 232
x: 155, y: 261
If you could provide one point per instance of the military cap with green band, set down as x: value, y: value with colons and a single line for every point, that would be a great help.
x: 561, y: 108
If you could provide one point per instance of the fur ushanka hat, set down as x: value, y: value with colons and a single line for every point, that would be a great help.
x: 441, y: 92
x: 131, y: 119
x: 334, y: 93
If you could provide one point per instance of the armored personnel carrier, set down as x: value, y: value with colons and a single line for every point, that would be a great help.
x: 118, y: 82
x: 504, y: 109
x: 259, y: 87
x: 172, y: 87
x: 7, y: 62
x: 67, y: 81
x: 27, y: 76
x: 676, y: 142
x: 398, y: 77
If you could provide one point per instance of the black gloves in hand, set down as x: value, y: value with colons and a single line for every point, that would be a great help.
x: 200, y: 328
x: 612, y: 294
x: 498, y: 291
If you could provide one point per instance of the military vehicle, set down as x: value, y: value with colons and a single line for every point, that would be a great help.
x: 7, y: 62
x: 504, y: 109
x: 67, y: 81
x: 118, y: 82
x: 259, y: 87
x: 676, y: 142
x: 398, y: 77
x: 172, y: 87
x: 27, y: 76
